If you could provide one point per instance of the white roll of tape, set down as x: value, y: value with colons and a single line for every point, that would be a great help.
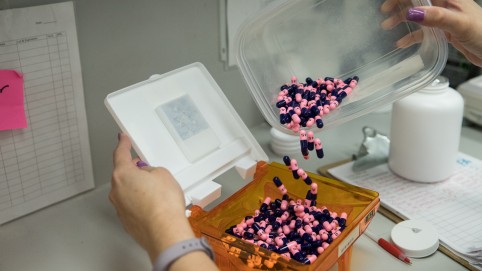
x: 415, y: 238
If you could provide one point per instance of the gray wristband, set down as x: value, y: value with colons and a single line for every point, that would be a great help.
x: 174, y: 252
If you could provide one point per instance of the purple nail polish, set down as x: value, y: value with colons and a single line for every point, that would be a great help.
x: 141, y: 163
x: 415, y: 14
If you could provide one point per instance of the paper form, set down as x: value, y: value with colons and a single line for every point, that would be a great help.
x: 50, y: 160
x: 453, y: 207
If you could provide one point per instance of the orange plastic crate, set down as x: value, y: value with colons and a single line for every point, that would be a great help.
x: 232, y: 253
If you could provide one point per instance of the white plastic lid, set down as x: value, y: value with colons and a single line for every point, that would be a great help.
x: 182, y: 121
x: 415, y: 238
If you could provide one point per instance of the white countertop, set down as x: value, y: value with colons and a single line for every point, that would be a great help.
x: 83, y: 233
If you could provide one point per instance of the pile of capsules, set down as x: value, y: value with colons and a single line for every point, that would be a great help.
x: 303, y: 105
x: 296, y: 229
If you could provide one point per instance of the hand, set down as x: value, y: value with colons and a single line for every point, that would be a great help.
x: 460, y: 20
x: 149, y: 202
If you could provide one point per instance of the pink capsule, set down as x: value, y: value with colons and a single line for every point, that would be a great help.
x: 310, y: 122
x: 343, y: 215
x: 296, y: 127
x: 303, y: 135
x: 333, y: 105
x: 319, y: 148
x: 311, y: 139
x: 284, y: 205
x: 311, y: 258
x: 314, y: 189
x: 294, y: 168
x: 327, y: 226
x: 294, y: 80
x: 320, y: 250
x: 286, y: 229
x: 325, y: 245
x: 296, y: 119
x: 326, y: 109
x: 297, y: 110
x: 298, y: 97
x: 284, y: 217
x: 308, y: 229
x: 278, y: 241
x: 353, y: 83
x: 302, y: 173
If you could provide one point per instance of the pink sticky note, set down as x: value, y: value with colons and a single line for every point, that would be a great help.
x: 12, y: 112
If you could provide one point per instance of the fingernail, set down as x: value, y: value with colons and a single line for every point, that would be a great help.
x: 415, y: 14
x: 141, y: 163
x: 118, y: 135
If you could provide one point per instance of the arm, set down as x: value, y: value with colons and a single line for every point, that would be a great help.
x: 150, y: 204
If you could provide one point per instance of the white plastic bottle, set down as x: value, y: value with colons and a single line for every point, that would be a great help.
x: 425, y: 133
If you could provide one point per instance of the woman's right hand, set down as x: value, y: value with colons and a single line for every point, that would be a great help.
x: 460, y: 20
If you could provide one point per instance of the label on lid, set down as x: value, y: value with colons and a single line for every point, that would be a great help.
x: 182, y: 121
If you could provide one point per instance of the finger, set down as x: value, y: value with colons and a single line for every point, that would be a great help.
x: 392, y: 21
x: 443, y: 18
x: 393, y: 5
x: 410, y: 39
x: 122, y: 153
x: 141, y: 163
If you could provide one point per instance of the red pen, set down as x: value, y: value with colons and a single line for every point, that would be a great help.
x: 389, y: 247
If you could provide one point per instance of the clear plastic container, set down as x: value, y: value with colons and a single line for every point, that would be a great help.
x: 313, y: 38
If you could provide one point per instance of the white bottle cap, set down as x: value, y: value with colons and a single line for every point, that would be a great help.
x: 415, y: 238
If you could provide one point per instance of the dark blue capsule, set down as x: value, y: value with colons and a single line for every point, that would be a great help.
x: 248, y: 235
x: 277, y: 181
x: 314, y: 84
x: 356, y: 78
x: 319, y: 153
x: 311, y: 145
x: 282, y: 118
x: 330, y: 79
x: 263, y: 208
x: 314, y: 110
x: 298, y: 223
x: 309, y: 81
x: 306, y: 246
x: 281, y: 103
x: 323, y: 86
x: 348, y: 80
x: 283, y: 87
x: 323, y: 96
x: 319, y: 123
x: 307, y: 237
x: 287, y: 161
x: 272, y: 247
x: 308, y: 180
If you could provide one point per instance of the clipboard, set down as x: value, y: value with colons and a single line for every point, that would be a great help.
x: 323, y: 171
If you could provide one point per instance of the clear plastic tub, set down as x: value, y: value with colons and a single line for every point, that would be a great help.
x: 313, y: 38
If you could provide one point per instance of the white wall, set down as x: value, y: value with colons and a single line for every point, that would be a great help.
x: 125, y: 41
